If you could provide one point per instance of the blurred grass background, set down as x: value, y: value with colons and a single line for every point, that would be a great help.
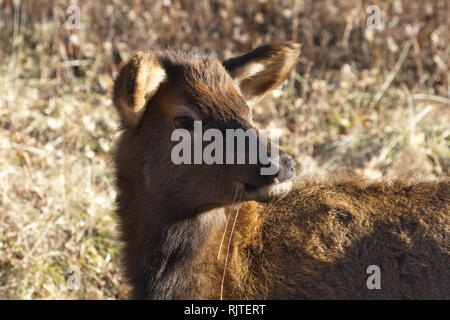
x: 371, y: 102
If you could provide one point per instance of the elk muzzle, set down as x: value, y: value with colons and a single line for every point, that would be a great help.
x: 267, y: 187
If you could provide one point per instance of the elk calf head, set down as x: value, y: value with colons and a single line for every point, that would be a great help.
x: 161, y: 91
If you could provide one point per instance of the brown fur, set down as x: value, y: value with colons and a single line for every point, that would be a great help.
x: 315, y: 243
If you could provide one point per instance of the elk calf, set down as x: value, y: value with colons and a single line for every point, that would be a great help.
x: 210, y: 231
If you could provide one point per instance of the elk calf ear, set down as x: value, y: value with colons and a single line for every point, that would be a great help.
x: 136, y: 84
x: 263, y: 69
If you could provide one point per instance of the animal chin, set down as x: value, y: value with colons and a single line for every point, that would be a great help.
x: 269, y: 192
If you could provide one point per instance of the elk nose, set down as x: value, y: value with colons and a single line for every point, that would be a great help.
x: 287, y: 170
x: 279, y: 170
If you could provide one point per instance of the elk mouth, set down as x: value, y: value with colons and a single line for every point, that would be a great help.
x: 267, y: 193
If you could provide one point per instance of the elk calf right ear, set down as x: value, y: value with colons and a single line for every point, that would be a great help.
x: 263, y: 69
x: 136, y: 84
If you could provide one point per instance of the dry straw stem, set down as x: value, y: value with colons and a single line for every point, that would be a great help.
x: 391, y: 74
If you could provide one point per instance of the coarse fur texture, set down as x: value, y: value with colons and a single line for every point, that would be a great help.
x: 317, y: 242
x: 198, y: 232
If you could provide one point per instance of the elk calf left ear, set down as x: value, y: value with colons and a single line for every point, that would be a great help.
x: 136, y: 84
x: 263, y: 69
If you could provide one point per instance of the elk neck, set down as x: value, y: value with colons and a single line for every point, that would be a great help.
x: 166, y: 248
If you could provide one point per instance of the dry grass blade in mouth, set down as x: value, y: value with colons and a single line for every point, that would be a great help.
x: 226, y: 225
x: 228, y: 249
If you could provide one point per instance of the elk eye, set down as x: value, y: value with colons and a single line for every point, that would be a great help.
x: 184, y: 122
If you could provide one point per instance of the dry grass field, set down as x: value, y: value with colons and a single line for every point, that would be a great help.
x: 373, y: 102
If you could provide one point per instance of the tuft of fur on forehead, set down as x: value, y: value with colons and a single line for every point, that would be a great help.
x: 206, y: 83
